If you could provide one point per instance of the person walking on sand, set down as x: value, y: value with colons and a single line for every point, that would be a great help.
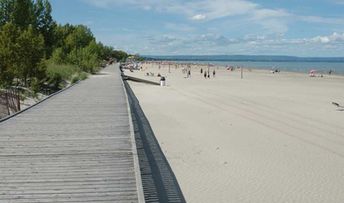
x: 201, y: 70
x: 205, y: 74
x: 214, y: 73
x: 208, y: 74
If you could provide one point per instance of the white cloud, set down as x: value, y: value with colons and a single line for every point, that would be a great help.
x: 220, y: 43
x: 333, y: 38
x: 215, y: 9
x: 272, y: 20
x: 207, y: 10
x: 194, y: 9
x: 322, y: 39
x: 198, y: 17
x: 212, y: 43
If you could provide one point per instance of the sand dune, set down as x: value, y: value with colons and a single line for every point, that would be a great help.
x: 266, y: 138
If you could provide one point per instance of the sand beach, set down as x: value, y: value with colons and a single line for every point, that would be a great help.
x: 264, y: 138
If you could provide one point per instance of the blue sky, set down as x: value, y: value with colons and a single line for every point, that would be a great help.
x: 205, y: 27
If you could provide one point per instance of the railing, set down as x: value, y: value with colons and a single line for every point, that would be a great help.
x: 9, y: 102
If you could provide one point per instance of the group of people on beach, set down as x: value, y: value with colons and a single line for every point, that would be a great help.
x: 206, y: 74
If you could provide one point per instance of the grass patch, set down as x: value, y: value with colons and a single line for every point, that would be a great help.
x: 78, y: 77
x: 66, y: 72
x: 58, y: 76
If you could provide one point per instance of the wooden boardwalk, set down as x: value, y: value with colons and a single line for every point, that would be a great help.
x: 77, y: 146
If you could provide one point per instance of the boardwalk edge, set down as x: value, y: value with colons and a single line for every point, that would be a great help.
x: 140, y: 194
x: 41, y: 101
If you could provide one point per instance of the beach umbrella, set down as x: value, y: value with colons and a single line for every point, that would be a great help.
x: 312, y: 73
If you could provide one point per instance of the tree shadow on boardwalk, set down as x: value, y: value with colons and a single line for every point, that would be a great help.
x: 158, y: 180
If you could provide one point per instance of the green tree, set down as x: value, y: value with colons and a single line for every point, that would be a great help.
x: 86, y: 58
x: 119, y: 55
x: 29, y: 35
x: 105, y: 51
x: 89, y: 60
x: 8, y: 54
x: 23, y: 13
x: 59, y: 56
x: 45, y: 24
x: 31, y: 54
x: 80, y: 37
x: 73, y: 57
x: 60, y: 33
x: 6, y: 11
x: 96, y: 48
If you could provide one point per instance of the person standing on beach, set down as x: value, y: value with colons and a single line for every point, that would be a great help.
x: 214, y: 73
x: 189, y: 74
x: 205, y: 74
x: 208, y: 74
x: 201, y: 70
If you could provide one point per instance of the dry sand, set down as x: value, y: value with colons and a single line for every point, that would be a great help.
x: 266, y: 138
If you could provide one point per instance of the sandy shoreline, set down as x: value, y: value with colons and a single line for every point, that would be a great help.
x: 266, y: 138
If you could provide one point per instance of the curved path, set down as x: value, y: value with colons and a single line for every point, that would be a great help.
x: 77, y: 146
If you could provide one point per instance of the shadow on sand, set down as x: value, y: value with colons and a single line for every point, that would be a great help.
x: 158, y: 180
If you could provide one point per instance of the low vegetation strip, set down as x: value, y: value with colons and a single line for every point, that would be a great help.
x: 59, y: 75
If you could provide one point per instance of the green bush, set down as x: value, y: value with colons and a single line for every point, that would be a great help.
x: 83, y: 76
x: 65, y: 71
x: 59, y: 74
x: 78, y: 77
x: 86, y: 58
x: 75, y: 79
x: 35, y: 85
x: 59, y: 56
x: 55, y: 80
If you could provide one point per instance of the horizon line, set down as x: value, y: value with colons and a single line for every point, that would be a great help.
x: 246, y: 55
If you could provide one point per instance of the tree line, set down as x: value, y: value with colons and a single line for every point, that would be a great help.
x: 33, y: 46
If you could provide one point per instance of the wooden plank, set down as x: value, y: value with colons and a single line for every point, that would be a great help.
x: 73, y: 147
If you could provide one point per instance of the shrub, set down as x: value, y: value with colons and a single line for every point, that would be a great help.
x: 78, y: 77
x: 83, y: 76
x: 59, y: 56
x: 59, y: 74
